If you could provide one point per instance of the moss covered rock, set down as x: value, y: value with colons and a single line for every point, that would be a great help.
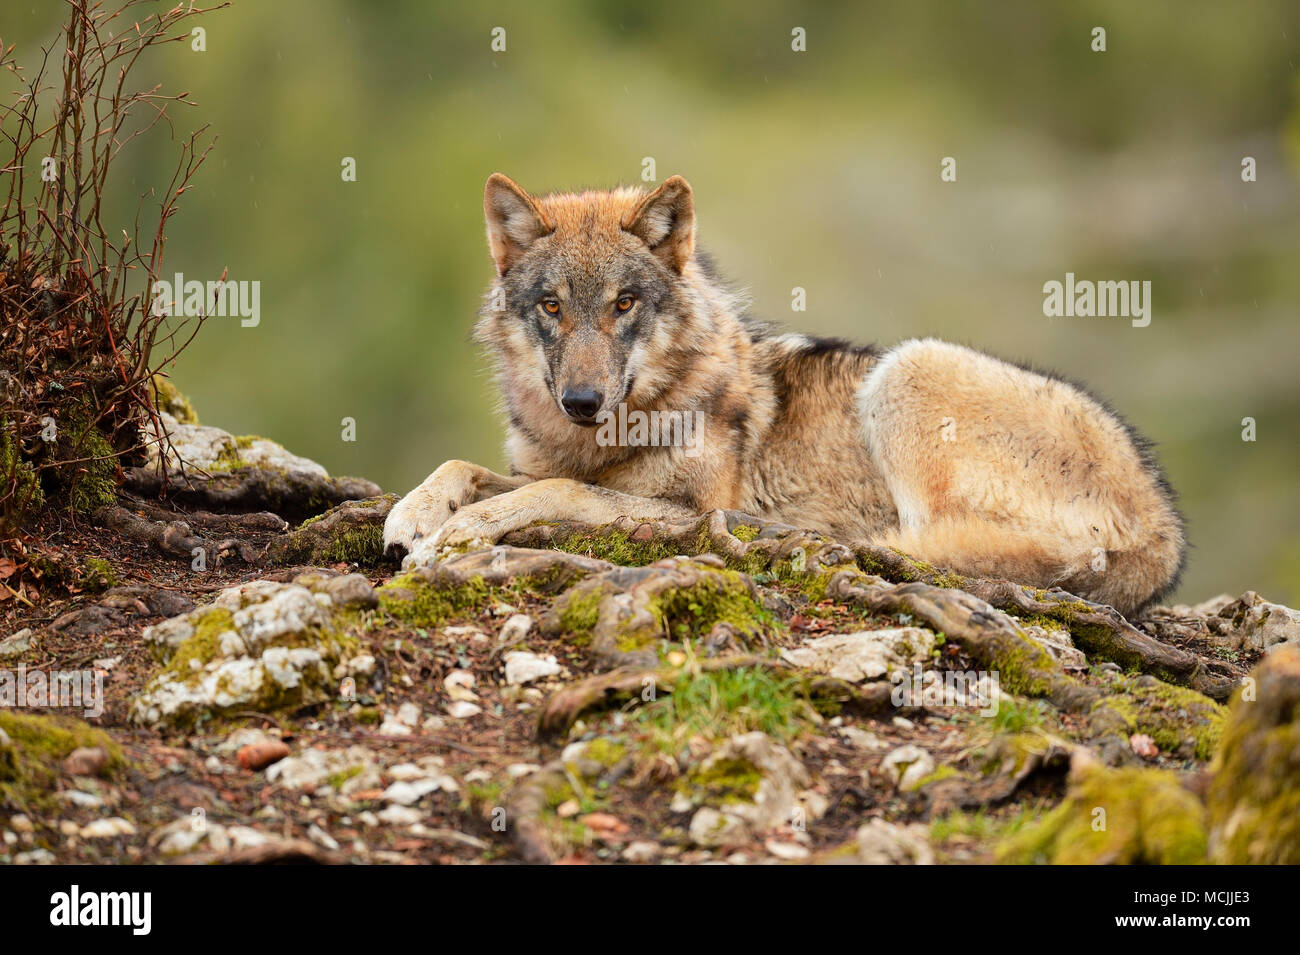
x: 626, y: 614
x: 351, y: 532
x: 1116, y: 817
x: 262, y: 646
x: 167, y: 397
x: 1182, y: 722
x: 748, y: 785
x: 32, y: 750
x: 1255, y: 794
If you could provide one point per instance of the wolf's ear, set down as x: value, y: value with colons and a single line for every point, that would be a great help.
x: 514, y: 222
x: 665, y: 221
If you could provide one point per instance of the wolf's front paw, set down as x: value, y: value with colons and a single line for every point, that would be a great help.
x: 478, y: 525
x: 416, y: 516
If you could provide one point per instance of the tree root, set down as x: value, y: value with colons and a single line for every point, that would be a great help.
x: 809, y: 560
x: 544, y: 571
x: 294, y: 495
x: 352, y: 531
x: 620, y: 612
x: 1098, y: 630
x: 173, y: 538
x: 287, y: 852
x: 565, y: 706
x: 526, y: 806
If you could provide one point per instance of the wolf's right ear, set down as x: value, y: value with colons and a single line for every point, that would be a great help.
x: 514, y: 221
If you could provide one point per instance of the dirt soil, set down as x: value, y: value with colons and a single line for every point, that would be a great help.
x: 636, y: 805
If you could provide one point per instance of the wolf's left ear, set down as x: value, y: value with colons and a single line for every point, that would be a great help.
x: 514, y: 221
x: 665, y: 221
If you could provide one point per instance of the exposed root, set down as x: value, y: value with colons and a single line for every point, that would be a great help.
x: 752, y: 545
x: 351, y: 532
x: 546, y: 571
x: 1099, y: 630
x: 294, y: 495
x: 173, y: 538
x: 619, y: 686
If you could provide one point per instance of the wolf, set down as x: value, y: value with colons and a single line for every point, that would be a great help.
x: 602, y: 303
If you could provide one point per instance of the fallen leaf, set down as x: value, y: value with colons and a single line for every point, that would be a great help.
x: 85, y: 761
x: 257, y: 756
x: 603, y: 823
x: 1144, y: 746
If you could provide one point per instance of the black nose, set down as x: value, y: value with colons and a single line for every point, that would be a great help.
x: 581, y: 404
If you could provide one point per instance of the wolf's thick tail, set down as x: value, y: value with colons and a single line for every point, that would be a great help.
x: 1127, y: 579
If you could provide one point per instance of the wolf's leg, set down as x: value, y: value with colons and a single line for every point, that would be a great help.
x: 453, y: 486
x: 998, y: 471
x: 551, y: 499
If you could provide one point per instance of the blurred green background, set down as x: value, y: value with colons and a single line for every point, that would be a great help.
x: 817, y: 169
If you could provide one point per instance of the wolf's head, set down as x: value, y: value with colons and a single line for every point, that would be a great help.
x: 589, y: 296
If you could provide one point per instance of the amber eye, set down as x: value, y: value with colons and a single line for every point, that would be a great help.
x: 550, y: 306
x: 625, y: 302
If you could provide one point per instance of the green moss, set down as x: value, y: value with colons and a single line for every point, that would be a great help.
x: 1007, y: 753
x: 579, y: 609
x: 483, y: 796
x: 1254, y: 795
x: 907, y: 573
x: 1096, y: 640
x: 557, y: 792
x: 359, y: 545
x: 227, y: 459
x: 203, y: 646
x: 1024, y: 667
x: 1255, y: 799
x: 1014, y: 716
x: 1175, y: 717
x: 744, y: 532
x: 617, y: 547
x: 167, y: 397
x: 980, y: 825
x: 91, y: 482
x: 605, y: 751
x: 32, y: 749
x: 20, y: 487
x: 722, y: 781
x: 336, y: 780
x: 97, y: 575
x: 1045, y: 623
x: 720, y: 596
x: 419, y: 602
x: 909, y: 570
x: 1118, y: 817
x: 189, y: 663
x: 812, y: 584
x: 356, y: 545
x: 941, y: 772
x: 679, y: 613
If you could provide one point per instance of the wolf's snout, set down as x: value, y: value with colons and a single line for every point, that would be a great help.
x: 582, y: 404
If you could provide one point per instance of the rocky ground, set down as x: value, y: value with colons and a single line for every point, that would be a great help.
x: 719, y: 689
